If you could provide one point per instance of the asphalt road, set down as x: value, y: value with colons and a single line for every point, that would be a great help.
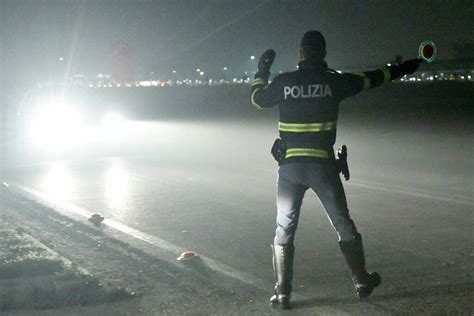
x: 210, y: 187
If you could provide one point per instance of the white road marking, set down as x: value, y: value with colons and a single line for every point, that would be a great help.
x: 432, y: 195
x: 415, y: 193
x: 70, y: 210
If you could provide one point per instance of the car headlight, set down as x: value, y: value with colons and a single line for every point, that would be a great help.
x: 55, y: 124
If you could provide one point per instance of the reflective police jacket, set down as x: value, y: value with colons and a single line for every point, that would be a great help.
x: 308, y: 101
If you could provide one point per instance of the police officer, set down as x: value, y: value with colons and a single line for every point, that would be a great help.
x: 308, y: 101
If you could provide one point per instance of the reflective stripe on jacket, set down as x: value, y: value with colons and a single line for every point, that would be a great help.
x: 308, y: 101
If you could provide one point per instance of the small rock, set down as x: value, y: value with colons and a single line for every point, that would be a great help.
x: 96, y: 219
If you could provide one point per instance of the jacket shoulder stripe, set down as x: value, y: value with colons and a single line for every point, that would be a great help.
x: 252, y: 99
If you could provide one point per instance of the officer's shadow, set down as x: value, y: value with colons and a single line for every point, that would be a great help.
x: 320, y: 301
x: 437, y: 290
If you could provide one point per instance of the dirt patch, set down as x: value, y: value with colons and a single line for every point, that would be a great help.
x: 34, y: 277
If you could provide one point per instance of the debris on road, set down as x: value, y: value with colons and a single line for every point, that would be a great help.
x: 96, y: 219
x: 187, y: 255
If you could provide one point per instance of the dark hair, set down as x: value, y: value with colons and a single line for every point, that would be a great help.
x: 313, y: 45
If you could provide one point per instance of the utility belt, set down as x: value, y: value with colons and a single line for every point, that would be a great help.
x: 281, y: 152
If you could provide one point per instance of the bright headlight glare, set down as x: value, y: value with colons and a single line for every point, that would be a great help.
x: 55, y: 125
x: 112, y: 120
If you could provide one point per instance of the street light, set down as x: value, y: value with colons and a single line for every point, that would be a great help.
x: 252, y: 57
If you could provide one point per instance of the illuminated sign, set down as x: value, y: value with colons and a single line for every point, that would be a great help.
x: 427, y: 51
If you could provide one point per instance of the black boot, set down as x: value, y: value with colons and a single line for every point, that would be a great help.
x: 364, y: 282
x: 283, y: 269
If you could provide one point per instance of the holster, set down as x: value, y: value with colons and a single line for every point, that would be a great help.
x: 279, y: 149
x: 341, y: 162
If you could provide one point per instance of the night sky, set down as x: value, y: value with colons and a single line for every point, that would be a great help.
x: 211, y: 34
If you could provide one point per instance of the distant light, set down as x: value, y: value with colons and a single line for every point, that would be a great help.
x: 202, y: 73
x: 145, y: 83
x: 61, y: 58
x: 225, y: 68
x: 252, y: 57
x: 246, y: 73
x: 389, y: 64
x: 198, y: 70
x: 174, y: 71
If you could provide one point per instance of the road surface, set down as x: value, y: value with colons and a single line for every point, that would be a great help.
x: 209, y: 187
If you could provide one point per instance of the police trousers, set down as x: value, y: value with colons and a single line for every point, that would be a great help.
x: 294, y: 179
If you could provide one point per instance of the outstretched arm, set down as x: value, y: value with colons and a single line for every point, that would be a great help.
x: 263, y: 95
x: 356, y: 83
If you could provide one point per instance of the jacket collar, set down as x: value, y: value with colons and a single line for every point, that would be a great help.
x: 312, y: 64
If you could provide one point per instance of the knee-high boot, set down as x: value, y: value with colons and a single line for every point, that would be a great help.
x: 283, y: 256
x: 353, y: 252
